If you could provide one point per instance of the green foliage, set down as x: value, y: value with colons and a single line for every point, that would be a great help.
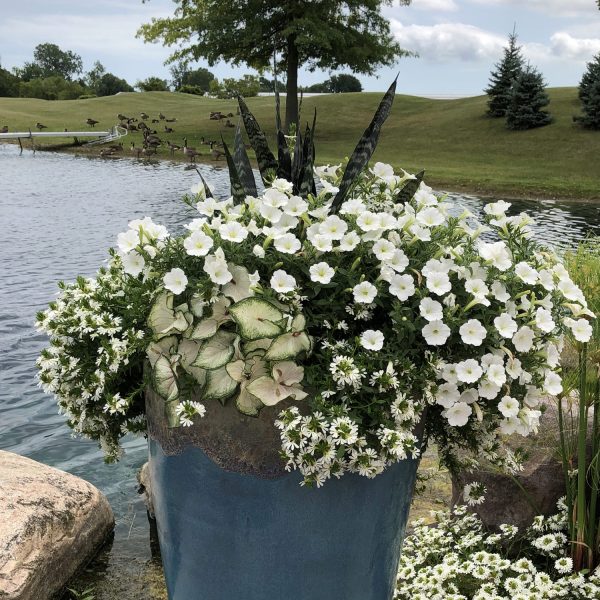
x: 528, y: 98
x: 191, y: 89
x: 110, y: 84
x: 9, y: 84
x: 152, y: 84
x: 589, y: 94
x: 248, y: 86
x: 318, y: 35
x: 198, y: 78
x: 268, y: 85
x: 51, y: 88
x: 93, y: 76
x: 87, y: 594
x: 503, y: 78
x: 337, y: 84
x: 49, y: 61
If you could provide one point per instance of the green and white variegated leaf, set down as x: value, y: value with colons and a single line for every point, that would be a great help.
x: 165, y: 379
x: 163, y: 347
x: 298, y: 323
x: 217, y: 351
x: 267, y: 165
x: 242, y: 163
x: 239, y: 287
x: 219, y: 385
x: 236, y: 370
x: 237, y: 189
x: 256, y: 347
x: 247, y: 403
x: 162, y: 315
x: 409, y: 189
x: 188, y: 351
x: 204, y: 329
x: 288, y: 346
x: 364, y: 149
x: 197, y: 305
x: 270, y: 392
x: 256, y: 318
x: 171, y: 413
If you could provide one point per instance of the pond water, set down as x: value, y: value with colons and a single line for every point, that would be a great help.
x: 58, y: 215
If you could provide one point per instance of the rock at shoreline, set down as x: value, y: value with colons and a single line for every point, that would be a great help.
x: 51, y: 523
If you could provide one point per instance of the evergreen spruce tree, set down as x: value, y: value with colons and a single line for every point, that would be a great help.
x: 589, y: 94
x: 502, y: 79
x: 527, y: 99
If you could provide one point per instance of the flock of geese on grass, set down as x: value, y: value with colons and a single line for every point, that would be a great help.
x: 151, y: 141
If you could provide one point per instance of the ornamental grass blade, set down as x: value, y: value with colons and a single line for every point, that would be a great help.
x: 365, y: 147
x: 258, y: 141
x: 237, y: 189
x: 242, y: 163
x: 207, y: 191
x: 410, y: 189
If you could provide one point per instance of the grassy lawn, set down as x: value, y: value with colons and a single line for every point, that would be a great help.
x: 459, y: 147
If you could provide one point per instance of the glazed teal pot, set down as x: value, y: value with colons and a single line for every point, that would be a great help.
x: 233, y: 524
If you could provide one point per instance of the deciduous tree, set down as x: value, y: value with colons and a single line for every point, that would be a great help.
x: 152, y: 84
x: 50, y: 61
x: 328, y: 34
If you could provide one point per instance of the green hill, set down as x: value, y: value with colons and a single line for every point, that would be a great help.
x: 459, y: 147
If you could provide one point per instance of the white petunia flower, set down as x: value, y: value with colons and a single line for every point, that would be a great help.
x: 487, y: 389
x: 215, y: 267
x: 581, y: 328
x: 384, y: 250
x: 543, y: 320
x: 349, y: 241
x: 552, y: 383
x: 295, y: 206
x: 364, y: 293
x: 198, y: 244
x: 398, y: 262
x: 333, y: 227
x: 282, y: 282
x: 496, y: 209
x: 523, y: 339
x: 321, y: 273
x: 447, y: 394
x: 233, y: 232
x: 431, y: 309
x: 368, y: 221
x: 505, y: 325
x: 322, y: 243
x: 382, y: 170
x: 458, y: 414
x: 472, y: 332
x: 270, y: 213
x: 175, y: 281
x: 287, y: 243
x: 526, y: 273
x: 436, y: 333
x: 402, y: 286
x: 430, y: 217
x: 497, y: 254
x: 128, y: 240
x: 282, y: 185
x: 133, y: 263
x: 509, y: 407
x: 496, y: 374
x: 469, y: 371
x: 372, y: 340
x: 477, y: 288
x: 275, y: 198
x: 499, y: 292
x: 352, y: 207
x: 258, y: 251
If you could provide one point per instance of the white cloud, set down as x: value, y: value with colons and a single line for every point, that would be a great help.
x: 449, y: 41
x: 550, y: 7
x: 435, y: 5
x: 566, y: 46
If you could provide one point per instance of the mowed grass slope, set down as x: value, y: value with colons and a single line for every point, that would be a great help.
x: 458, y: 146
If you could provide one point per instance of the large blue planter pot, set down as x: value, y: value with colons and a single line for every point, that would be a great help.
x: 259, y: 535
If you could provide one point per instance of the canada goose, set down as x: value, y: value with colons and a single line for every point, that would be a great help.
x: 144, y: 116
x: 135, y: 151
x: 151, y: 140
x: 190, y: 152
x: 122, y: 117
x: 40, y: 126
x: 161, y: 116
x: 173, y: 120
x: 107, y: 152
x: 173, y: 148
x: 156, y: 120
x: 4, y: 129
x: 230, y: 115
x: 216, y: 115
x: 215, y: 153
x: 168, y: 129
x: 142, y: 126
x: 91, y: 122
x: 228, y: 123
x: 117, y: 147
x: 149, y: 150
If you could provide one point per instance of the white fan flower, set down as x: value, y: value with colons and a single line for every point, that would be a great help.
x: 321, y: 273
x: 436, y: 333
x: 175, y: 281
x: 372, y: 340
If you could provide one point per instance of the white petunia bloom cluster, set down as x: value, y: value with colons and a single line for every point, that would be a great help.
x: 389, y: 317
x: 459, y: 559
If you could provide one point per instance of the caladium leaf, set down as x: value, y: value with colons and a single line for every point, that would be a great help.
x: 165, y: 379
x: 256, y: 318
x: 267, y: 165
x: 239, y: 287
x: 248, y: 404
x: 289, y: 345
x: 163, y: 347
x: 162, y: 315
x: 242, y: 162
x: 237, y: 189
x: 409, y: 189
x: 204, y: 329
x: 219, y: 385
x: 188, y: 351
x: 217, y: 351
x: 197, y: 305
x: 365, y: 148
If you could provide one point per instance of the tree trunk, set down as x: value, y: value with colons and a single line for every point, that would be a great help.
x: 291, y: 102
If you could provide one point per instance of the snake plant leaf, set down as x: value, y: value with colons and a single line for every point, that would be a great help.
x: 298, y: 160
x: 288, y: 346
x: 365, y: 147
x: 306, y: 180
x: 219, y: 385
x: 165, y: 380
x: 207, y: 191
x: 242, y: 162
x: 410, y: 188
x: 256, y: 318
x: 237, y: 189
x: 217, y: 351
x: 266, y: 161
x: 284, y: 167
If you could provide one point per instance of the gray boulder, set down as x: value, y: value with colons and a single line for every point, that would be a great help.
x: 51, y: 524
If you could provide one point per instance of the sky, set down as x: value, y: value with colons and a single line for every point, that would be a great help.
x: 458, y: 41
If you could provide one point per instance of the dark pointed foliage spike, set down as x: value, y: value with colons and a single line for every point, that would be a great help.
x: 298, y: 159
x: 237, y: 189
x: 365, y: 147
x: 207, y: 191
x: 306, y: 182
x: 284, y: 168
x: 258, y: 141
x: 410, y: 189
x: 242, y: 163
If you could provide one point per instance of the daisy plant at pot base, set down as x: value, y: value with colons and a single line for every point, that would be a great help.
x: 379, y: 312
